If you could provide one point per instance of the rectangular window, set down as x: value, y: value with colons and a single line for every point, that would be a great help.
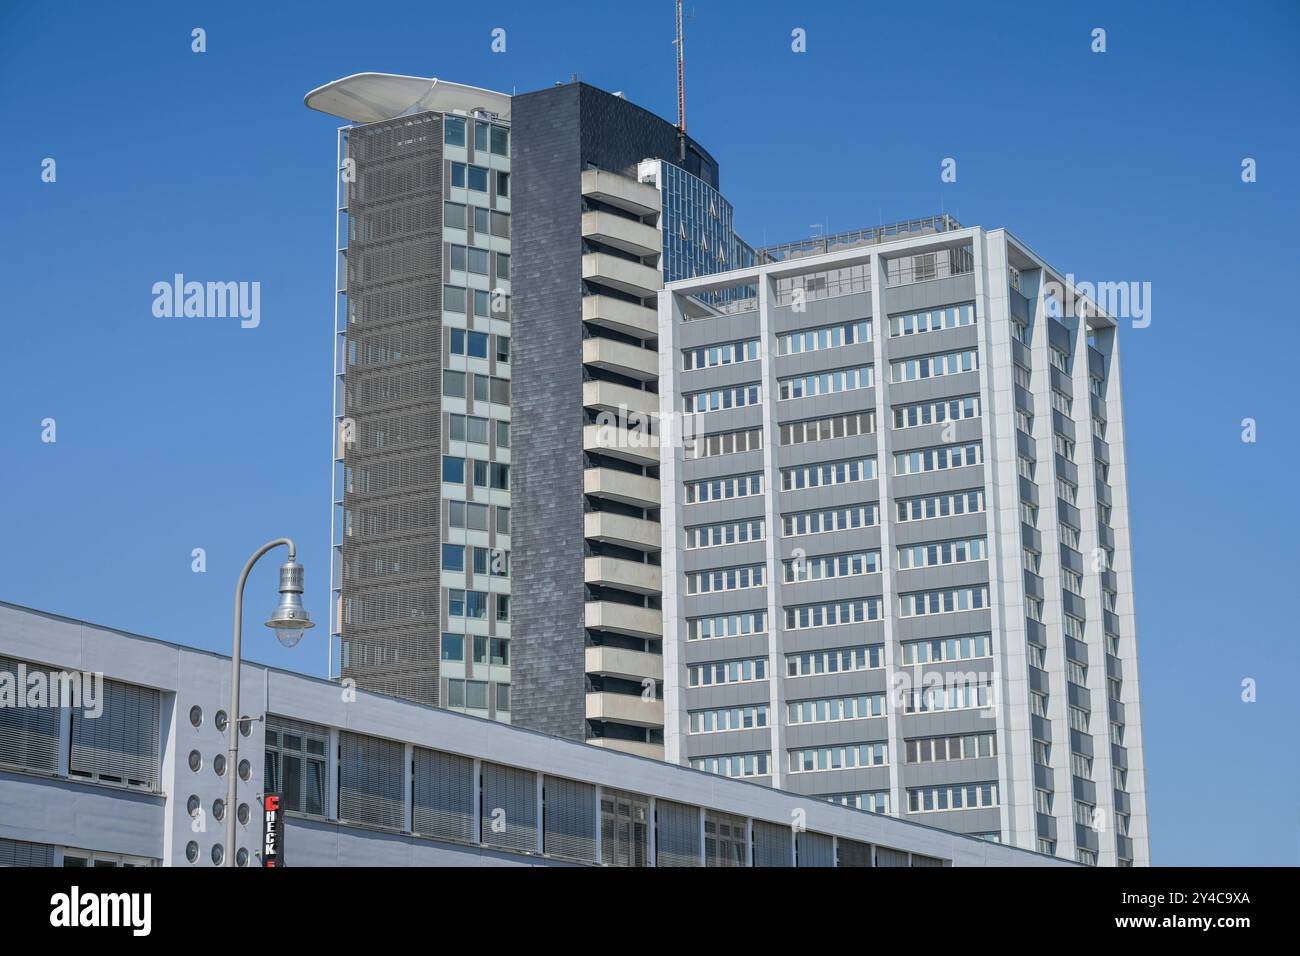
x: 296, y: 764
x: 443, y: 795
x: 371, y: 781
x: 120, y: 744
x: 29, y: 736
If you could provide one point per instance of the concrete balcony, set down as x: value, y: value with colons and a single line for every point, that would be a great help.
x: 612, y: 397
x: 630, y: 235
x: 637, y: 747
x: 630, y: 445
x: 622, y: 274
x: 620, y: 486
x: 620, y: 316
x: 640, y: 199
x: 620, y: 662
x: 621, y: 530
x: 624, y: 575
x: 625, y: 709
x: 624, y: 619
x: 622, y: 358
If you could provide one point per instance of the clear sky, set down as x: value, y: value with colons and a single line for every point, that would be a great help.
x: 175, y: 434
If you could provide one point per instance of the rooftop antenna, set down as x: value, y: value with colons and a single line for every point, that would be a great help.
x: 680, y: 43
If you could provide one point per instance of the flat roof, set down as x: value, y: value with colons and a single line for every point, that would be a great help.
x: 374, y: 97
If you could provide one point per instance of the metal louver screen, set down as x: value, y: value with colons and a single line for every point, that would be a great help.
x: 919, y: 860
x: 509, y: 807
x: 569, y: 817
x: 121, y: 744
x: 724, y: 840
x: 852, y: 853
x: 815, y: 849
x: 771, y: 844
x: 370, y: 781
x: 17, y: 853
x: 444, y: 795
x: 29, y: 736
x: 677, y: 834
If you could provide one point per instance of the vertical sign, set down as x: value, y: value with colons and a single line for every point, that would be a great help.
x: 272, y: 831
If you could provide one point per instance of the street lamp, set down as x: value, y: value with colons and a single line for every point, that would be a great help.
x: 289, y: 620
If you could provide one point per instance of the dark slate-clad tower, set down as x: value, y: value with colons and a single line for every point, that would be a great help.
x: 609, y: 201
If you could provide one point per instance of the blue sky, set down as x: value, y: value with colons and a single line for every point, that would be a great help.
x: 175, y: 434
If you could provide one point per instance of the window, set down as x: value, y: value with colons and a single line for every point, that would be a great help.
x: 838, y: 660
x: 120, y: 744
x: 722, y: 443
x: 568, y: 818
x: 509, y: 807
x: 727, y: 672
x: 728, y: 625
x: 962, y: 797
x: 624, y: 829
x: 728, y: 718
x: 941, y: 506
x: 453, y: 130
x: 853, y: 611
x: 296, y: 762
x: 443, y: 795
x: 725, y: 579
x: 825, y: 709
x: 828, y: 473
x: 500, y: 141
x: 822, y: 429
x: 29, y: 736
x: 503, y: 185
x: 943, y: 649
x: 932, y: 413
x: 714, y: 535
x: 833, y: 519
x: 453, y: 647
x: 825, y: 566
x: 938, y: 553
x: 728, y: 353
x: 454, y: 215
x: 725, y: 839
x: 453, y: 557
x: 915, y: 323
x: 842, y: 757
x: 959, y: 747
x: 371, y: 781
x: 825, y: 383
x: 720, y: 489
x: 453, y: 470
x: 453, y: 384
x: 945, y: 601
x: 478, y: 178
x: 827, y: 337
x: 734, y: 765
x: 737, y: 396
x: 956, y: 695
x: 932, y: 366
x: 875, y: 801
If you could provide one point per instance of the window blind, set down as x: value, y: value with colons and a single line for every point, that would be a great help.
x: 677, y: 834
x: 569, y: 818
x: 509, y: 812
x: 814, y: 849
x: 121, y: 744
x: 371, y: 781
x: 444, y: 795
x: 29, y: 736
x: 771, y: 844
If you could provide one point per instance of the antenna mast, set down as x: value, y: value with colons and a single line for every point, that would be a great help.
x: 681, y: 79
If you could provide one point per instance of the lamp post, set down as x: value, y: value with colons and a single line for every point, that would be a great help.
x: 289, y: 620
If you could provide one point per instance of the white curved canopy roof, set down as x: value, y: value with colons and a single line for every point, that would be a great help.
x: 372, y: 97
